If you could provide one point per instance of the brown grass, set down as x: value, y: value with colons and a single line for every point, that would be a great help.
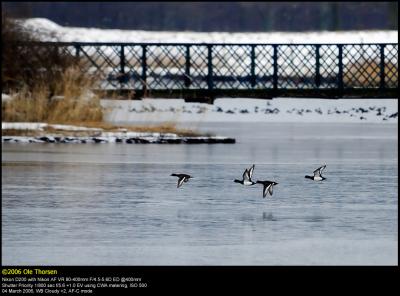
x: 78, y: 106
x: 164, y: 128
x: 36, y: 104
x: 79, y: 103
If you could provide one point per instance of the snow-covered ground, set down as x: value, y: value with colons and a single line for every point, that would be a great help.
x: 232, y: 110
x: 49, y: 31
x: 39, y: 126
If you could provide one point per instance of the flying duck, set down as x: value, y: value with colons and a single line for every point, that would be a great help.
x: 246, y: 180
x: 268, y: 187
x: 182, y: 178
x: 317, y: 174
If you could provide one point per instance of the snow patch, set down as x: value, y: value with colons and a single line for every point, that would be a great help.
x: 5, y: 98
x: 39, y: 126
x: 47, y: 30
x: 73, y: 127
x: 24, y: 125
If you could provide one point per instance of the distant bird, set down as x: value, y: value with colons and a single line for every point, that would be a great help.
x: 182, y: 178
x: 246, y: 180
x: 268, y: 187
x: 317, y: 174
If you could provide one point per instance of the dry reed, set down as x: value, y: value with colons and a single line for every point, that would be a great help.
x: 75, y: 103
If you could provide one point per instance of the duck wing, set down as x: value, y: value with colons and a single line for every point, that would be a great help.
x: 270, y: 188
x: 246, y: 175
x: 318, y: 171
x: 251, y: 171
x: 267, y: 187
x: 265, y: 190
x: 180, y: 181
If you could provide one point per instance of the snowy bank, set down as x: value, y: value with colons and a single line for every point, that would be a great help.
x: 47, y: 30
x: 39, y: 126
x: 252, y: 110
x: 122, y: 136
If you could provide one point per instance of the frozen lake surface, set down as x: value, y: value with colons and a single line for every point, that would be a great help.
x: 113, y: 204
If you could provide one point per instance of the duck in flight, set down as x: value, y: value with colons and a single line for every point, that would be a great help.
x: 246, y: 180
x: 268, y: 187
x: 317, y: 174
x: 183, y: 178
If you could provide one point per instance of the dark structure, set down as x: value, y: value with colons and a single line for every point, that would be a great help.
x: 203, y: 72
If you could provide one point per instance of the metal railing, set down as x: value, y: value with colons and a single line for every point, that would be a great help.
x: 261, y: 70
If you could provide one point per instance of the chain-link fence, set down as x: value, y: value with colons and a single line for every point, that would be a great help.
x: 147, y: 67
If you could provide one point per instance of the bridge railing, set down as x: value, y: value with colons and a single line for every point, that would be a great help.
x: 215, y: 68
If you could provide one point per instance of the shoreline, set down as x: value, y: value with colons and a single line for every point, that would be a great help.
x: 122, y: 140
x: 35, y: 132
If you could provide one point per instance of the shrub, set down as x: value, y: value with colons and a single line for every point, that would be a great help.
x: 25, y: 62
x: 35, y: 74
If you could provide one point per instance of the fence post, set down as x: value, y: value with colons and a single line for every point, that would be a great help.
x: 122, y: 59
x: 253, y: 66
x: 77, y: 50
x: 317, y: 66
x: 187, y: 67
x: 382, y: 66
x: 275, y: 66
x: 210, y: 68
x: 144, y: 68
x: 340, y: 74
